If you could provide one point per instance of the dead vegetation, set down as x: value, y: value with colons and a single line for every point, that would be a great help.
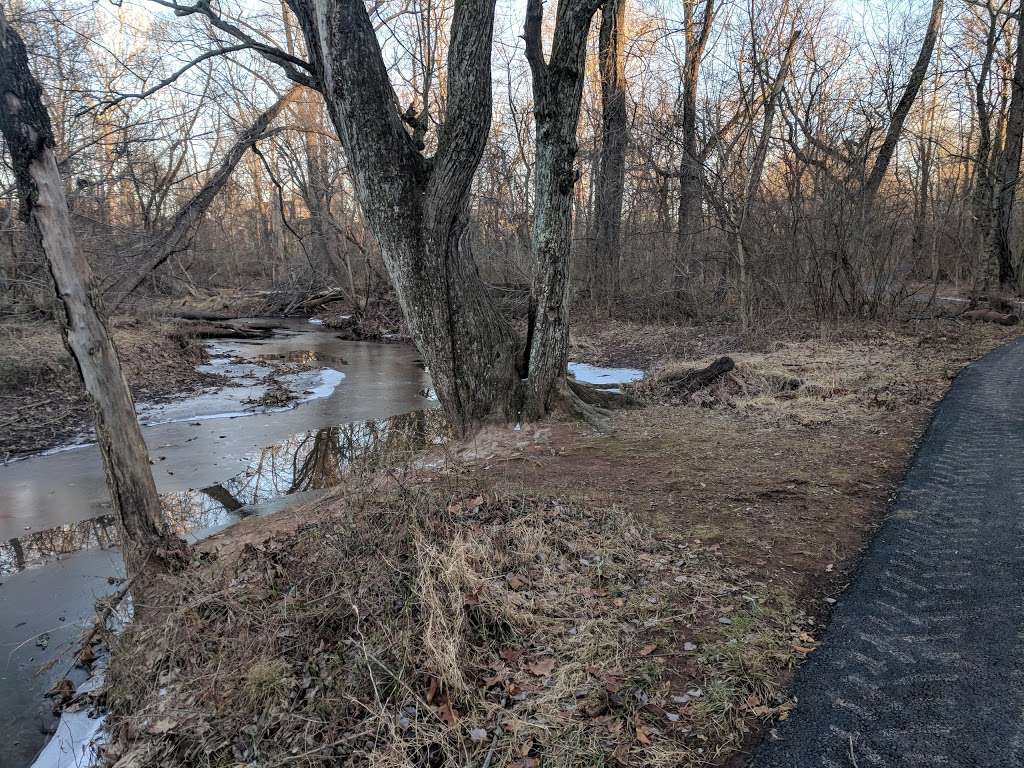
x: 837, y: 376
x: 576, y: 599
x: 449, y: 628
x: 41, y: 395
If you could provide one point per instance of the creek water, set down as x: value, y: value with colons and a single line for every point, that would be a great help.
x: 216, y: 458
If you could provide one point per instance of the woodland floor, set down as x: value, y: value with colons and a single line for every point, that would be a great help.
x: 556, y: 596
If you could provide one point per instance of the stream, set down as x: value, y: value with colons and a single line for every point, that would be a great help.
x: 218, y: 455
x: 216, y: 458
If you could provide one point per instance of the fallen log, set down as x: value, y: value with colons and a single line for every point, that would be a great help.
x: 325, y: 297
x: 199, y: 314
x: 688, y: 382
x: 214, y: 330
x: 991, y: 316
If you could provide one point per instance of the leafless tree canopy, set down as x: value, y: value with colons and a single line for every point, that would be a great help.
x: 492, y: 167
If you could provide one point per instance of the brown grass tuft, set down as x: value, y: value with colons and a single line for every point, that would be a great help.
x: 399, y: 628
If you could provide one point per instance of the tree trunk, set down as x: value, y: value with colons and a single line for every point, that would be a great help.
x: 691, y: 175
x: 557, y: 92
x: 981, y: 198
x: 417, y: 206
x: 612, y: 158
x: 1001, y: 269
x: 177, y: 236
x: 25, y: 125
x: 899, y: 115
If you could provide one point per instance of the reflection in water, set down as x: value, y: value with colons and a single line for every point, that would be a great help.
x: 305, y: 462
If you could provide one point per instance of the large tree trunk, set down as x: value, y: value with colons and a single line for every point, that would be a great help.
x: 25, y: 125
x: 612, y: 158
x: 1001, y: 269
x: 557, y: 91
x: 418, y: 207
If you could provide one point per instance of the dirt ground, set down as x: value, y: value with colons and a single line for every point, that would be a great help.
x: 554, y: 596
x: 42, y: 401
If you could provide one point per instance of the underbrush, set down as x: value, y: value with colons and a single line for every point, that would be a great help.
x: 420, y: 627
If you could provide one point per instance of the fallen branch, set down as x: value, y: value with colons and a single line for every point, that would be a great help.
x: 688, y: 382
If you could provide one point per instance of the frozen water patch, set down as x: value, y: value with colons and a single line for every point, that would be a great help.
x: 76, y: 742
x: 314, y: 385
x: 316, y: 321
x: 592, y: 374
x: 234, y: 401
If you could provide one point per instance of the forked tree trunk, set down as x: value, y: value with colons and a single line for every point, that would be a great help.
x: 417, y: 206
x: 557, y: 91
x: 612, y: 159
x: 25, y: 125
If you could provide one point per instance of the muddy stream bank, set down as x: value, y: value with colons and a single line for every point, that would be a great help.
x: 217, y: 456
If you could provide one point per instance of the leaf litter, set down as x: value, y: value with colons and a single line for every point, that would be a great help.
x: 395, y: 628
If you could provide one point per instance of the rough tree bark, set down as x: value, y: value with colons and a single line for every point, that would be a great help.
x: 612, y: 158
x: 557, y: 91
x: 177, y: 236
x: 696, y: 33
x: 417, y: 205
x: 25, y: 125
x: 1000, y: 269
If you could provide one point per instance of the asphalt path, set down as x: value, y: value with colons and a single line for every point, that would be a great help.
x: 923, y: 663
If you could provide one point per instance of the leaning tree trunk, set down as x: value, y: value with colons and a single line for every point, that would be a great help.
x: 899, y: 115
x: 178, y: 235
x: 612, y: 158
x: 25, y: 125
x: 557, y: 91
x: 1000, y: 269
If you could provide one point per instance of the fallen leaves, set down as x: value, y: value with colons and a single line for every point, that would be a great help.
x: 542, y: 667
x: 467, y: 504
x: 648, y: 649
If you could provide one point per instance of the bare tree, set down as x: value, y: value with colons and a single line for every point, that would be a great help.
x: 612, y: 158
x: 1001, y: 269
x: 26, y: 127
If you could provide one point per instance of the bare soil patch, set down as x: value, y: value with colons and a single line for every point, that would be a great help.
x: 557, y: 598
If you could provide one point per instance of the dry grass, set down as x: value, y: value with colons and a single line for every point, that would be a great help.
x: 570, y: 599
x: 406, y: 627
x: 818, y: 381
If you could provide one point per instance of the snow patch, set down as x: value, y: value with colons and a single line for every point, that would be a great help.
x: 592, y: 374
x: 76, y: 742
